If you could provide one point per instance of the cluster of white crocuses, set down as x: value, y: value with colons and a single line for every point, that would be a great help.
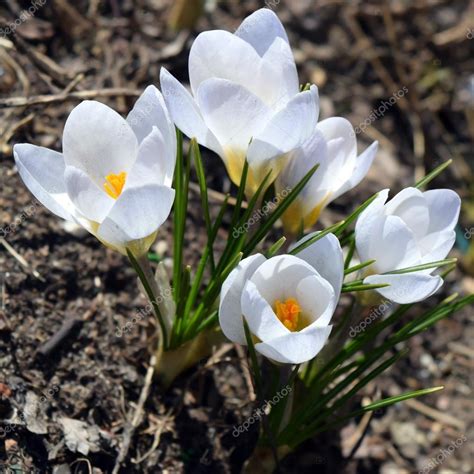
x: 114, y: 178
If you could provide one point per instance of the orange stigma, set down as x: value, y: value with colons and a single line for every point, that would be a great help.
x: 288, y: 313
x: 114, y: 184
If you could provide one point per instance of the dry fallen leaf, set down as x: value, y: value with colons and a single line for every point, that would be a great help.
x: 79, y: 436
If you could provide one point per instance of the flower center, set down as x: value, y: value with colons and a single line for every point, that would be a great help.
x: 288, y: 312
x: 114, y: 184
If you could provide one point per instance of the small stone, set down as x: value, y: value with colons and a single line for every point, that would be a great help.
x: 5, y: 390
x: 62, y: 469
x: 408, y: 438
x: 10, y: 444
x: 161, y: 247
x: 74, y: 229
x: 319, y: 77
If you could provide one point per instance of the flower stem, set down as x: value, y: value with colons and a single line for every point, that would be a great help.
x: 172, y: 362
x: 142, y: 267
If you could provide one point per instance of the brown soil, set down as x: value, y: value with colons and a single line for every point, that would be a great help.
x: 359, y: 54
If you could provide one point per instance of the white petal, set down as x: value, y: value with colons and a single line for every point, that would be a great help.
x: 300, y: 161
x: 339, y: 169
x: 369, y: 224
x: 260, y: 316
x: 185, y: 112
x: 137, y: 213
x: 221, y: 55
x: 295, y: 347
x: 359, y: 171
x: 98, y: 141
x: 232, y: 113
x: 154, y: 164
x: 278, y: 277
x: 288, y: 129
x: 411, y: 206
x: 326, y: 257
x: 394, y: 246
x: 94, y: 203
x: 436, y: 246
x: 278, y: 77
x: 339, y: 128
x: 230, y: 311
x: 42, y: 170
x: 260, y: 30
x: 150, y: 111
x: 317, y: 300
x: 444, y: 206
x: 406, y: 288
x: 342, y: 155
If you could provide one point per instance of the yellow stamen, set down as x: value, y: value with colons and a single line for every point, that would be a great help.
x: 288, y: 313
x: 114, y: 184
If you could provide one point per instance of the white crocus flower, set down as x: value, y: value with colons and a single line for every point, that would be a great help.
x: 413, y: 228
x: 114, y: 175
x: 287, y: 300
x: 333, y: 145
x: 245, y: 100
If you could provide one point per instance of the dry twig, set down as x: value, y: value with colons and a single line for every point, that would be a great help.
x: 79, y: 95
x: 132, y: 425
